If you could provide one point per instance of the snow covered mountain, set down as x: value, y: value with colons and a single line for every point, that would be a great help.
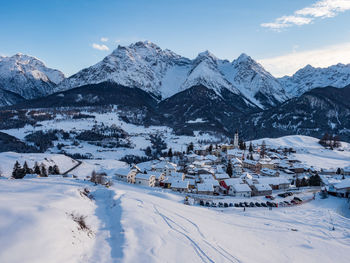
x: 253, y: 81
x: 143, y: 65
x: 27, y: 76
x: 308, y: 78
x: 163, y: 73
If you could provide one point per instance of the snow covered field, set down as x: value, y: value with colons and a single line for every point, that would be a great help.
x: 129, y: 223
x: 310, y: 152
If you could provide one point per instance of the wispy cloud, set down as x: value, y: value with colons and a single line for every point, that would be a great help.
x: 304, y: 16
x: 101, y: 47
x: 104, y: 39
x: 288, y: 64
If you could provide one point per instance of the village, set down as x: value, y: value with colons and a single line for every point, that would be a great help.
x: 226, y: 171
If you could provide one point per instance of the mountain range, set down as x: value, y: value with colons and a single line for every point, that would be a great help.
x: 174, y: 90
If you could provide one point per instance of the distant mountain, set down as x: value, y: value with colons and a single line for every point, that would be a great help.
x: 163, y: 73
x: 27, y: 76
x: 315, y: 112
x: 309, y: 77
x: 9, y: 98
x: 209, y: 111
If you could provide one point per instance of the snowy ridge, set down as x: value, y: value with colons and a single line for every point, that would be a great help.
x: 252, y: 79
x: 307, y: 78
x: 27, y: 76
x: 163, y: 73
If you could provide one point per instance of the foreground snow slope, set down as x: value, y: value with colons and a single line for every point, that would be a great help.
x: 138, y: 224
x: 36, y: 223
x: 310, y: 152
x: 159, y: 228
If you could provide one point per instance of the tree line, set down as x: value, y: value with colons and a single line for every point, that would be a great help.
x: 19, y: 172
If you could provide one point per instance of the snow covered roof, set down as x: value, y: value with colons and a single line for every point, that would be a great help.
x: 122, y: 171
x: 177, y: 174
x: 343, y: 184
x: 234, y: 152
x: 221, y: 176
x: 144, y: 176
x: 156, y: 174
x: 211, y: 181
x: 252, y: 162
x: 180, y: 184
x: 191, y: 181
x: 205, y: 187
x: 241, y: 188
x: 232, y: 181
x: 268, y: 171
x: 262, y: 187
x: 273, y: 180
x: 205, y: 176
x: 211, y: 157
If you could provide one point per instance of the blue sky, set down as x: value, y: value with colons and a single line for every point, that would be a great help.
x: 283, y: 35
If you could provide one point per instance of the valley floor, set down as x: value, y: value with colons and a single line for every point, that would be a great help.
x: 127, y: 223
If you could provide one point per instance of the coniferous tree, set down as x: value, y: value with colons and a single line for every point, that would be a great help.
x: 17, y: 172
x: 210, y: 149
x: 244, y: 146
x: 55, y: 169
x: 50, y: 170
x: 250, y: 147
x: 43, y: 171
x: 229, y: 169
x: 170, y: 153
x: 37, y: 169
x: 26, y: 169
x: 190, y: 147
x: 93, y: 177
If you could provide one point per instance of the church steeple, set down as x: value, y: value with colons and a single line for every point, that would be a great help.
x: 236, y: 140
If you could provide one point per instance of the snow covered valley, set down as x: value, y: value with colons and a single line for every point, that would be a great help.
x: 127, y: 223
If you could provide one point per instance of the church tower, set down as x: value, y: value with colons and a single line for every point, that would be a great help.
x: 235, y: 140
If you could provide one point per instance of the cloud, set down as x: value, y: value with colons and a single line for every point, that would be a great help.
x: 288, y: 64
x: 104, y: 39
x: 320, y: 9
x: 100, y: 47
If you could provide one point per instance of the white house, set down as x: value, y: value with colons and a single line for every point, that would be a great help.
x: 180, y: 186
x: 122, y: 173
x: 240, y: 190
x: 145, y: 179
x: 205, y: 188
x: 160, y: 176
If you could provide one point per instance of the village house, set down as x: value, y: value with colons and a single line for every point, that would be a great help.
x: 276, y: 183
x: 180, y: 186
x: 160, y: 176
x: 261, y: 189
x: 214, y: 183
x: 229, y: 182
x: 205, y: 188
x: 269, y: 172
x: 125, y: 174
x: 234, y: 153
x: 250, y: 164
x: 191, y: 183
x: 221, y: 176
x: 145, y: 179
x: 341, y: 188
x: 240, y: 190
